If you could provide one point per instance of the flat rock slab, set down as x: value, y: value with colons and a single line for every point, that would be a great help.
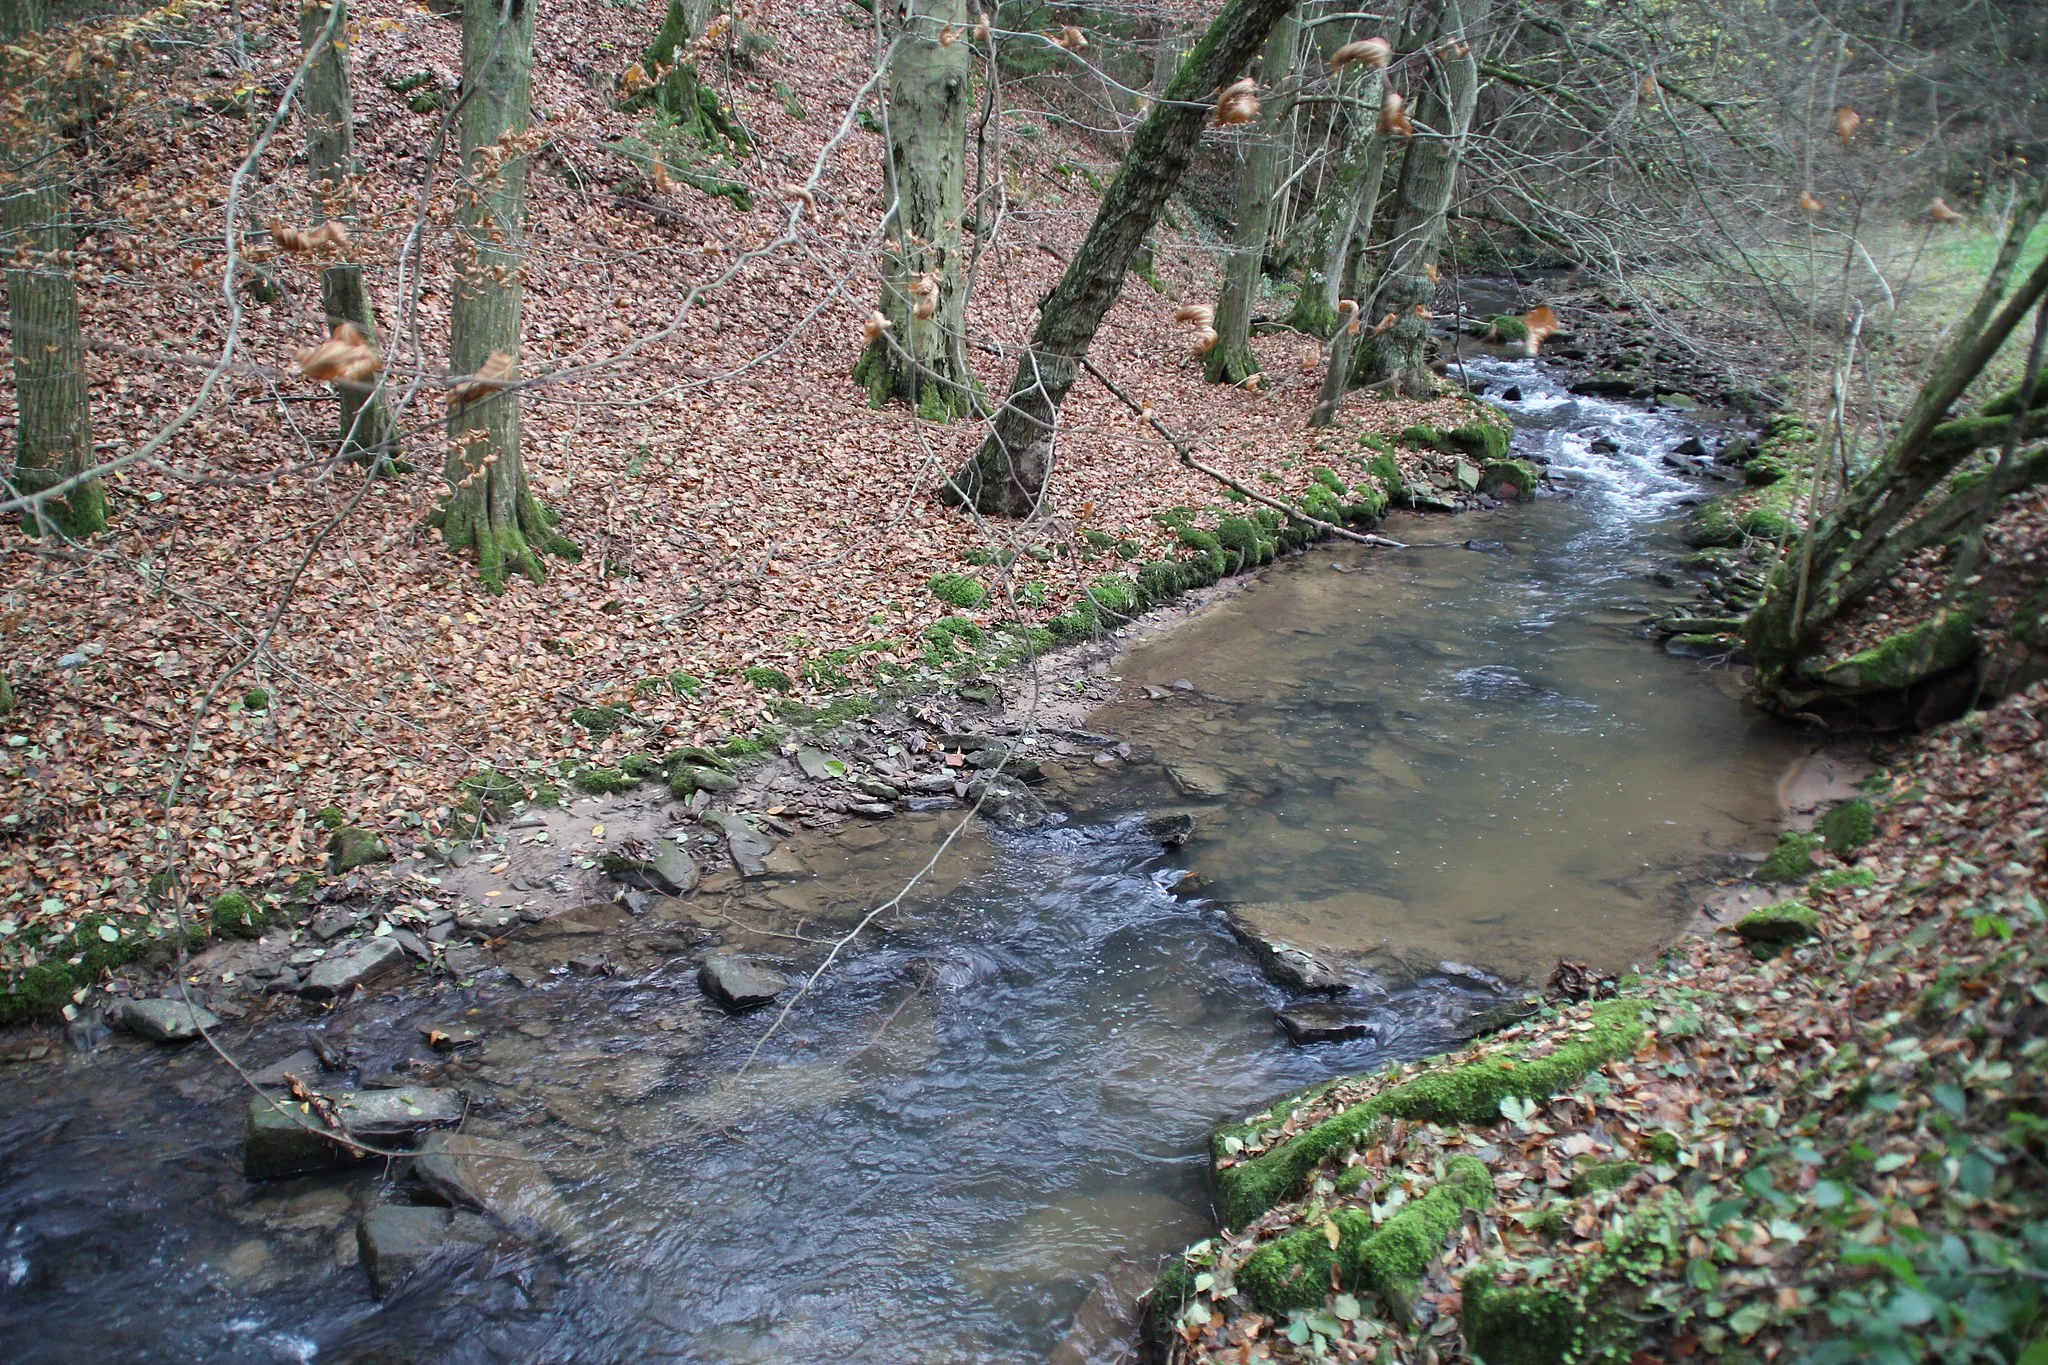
x: 1320, y: 1023
x: 501, y: 1178
x: 737, y: 984
x: 372, y: 961
x: 818, y: 765
x: 1295, y: 969
x: 392, y: 1240
x: 1198, y: 781
x: 290, y: 1141
x: 748, y: 846
x: 165, y: 1021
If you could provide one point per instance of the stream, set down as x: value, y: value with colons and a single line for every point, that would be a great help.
x: 1446, y: 766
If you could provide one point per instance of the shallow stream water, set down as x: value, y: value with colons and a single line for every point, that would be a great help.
x: 1444, y: 765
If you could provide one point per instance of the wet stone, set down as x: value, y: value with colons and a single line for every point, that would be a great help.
x: 1285, y: 965
x: 1324, y: 1023
x: 394, y: 1239
x: 330, y: 924
x: 502, y: 1179
x: 747, y: 845
x: 279, y: 1142
x: 737, y: 984
x: 302, y: 1063
x: 1198, y: 781
x: 373, y: 961
x: 165, y: 1021
x: 818, y: 765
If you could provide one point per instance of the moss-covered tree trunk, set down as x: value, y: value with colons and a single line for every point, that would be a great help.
x: 677, y: 90
x: 923, y: 359
x: 1007, y: 475
x: 1399, y: 356
x: 1231, y: 360
x: 1337, y: 230
x: 490, y: 508
x: 53, y: 425
x: 1886, y: 516
x: 367, y: 430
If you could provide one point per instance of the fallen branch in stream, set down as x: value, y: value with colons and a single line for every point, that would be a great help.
x: 1187, y: 457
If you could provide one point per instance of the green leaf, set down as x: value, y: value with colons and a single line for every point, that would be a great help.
x: 1891, y: 1161
x: 1346, y: 1307
x: 1324, y: 1324
x: 1749, y: 1319
x: 109, y: 934
x: 1910, y: 1308
x: 1828, y: 1195
x: 1701, y: 1272
x: 1949, y: 1097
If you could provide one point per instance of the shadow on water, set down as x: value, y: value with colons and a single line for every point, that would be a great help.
x: 1445, y: 755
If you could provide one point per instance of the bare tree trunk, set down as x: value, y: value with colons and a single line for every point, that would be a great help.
x: 923, y: 359
x: 1399, y: 356
x: 490, y: 508
x: 367, y: 431
x: 1340, y: 225
x: 1231, y: 360
x: 53, y: 427
x: 1007, y: 476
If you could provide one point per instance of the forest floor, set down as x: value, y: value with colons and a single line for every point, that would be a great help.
x: 263, y: 636
x: 1818, y: 1130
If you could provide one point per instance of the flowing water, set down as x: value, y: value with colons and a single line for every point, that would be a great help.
x: 1441, y: 765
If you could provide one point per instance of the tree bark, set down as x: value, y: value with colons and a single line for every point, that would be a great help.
x: 368, y: 433
x: 1231, y: 360
x: 677, y: 90
x: 924, y: 360
x: 1399, y: 357
x: 53, y: 426
x: 1007, y: 475
x: 490, y: 508
x: 1340, y: 226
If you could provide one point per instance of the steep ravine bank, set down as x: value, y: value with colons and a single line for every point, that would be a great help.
x: 1816, y: 1134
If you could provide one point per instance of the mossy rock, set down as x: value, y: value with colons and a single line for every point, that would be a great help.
x: 1115, y: 593
x: 1422, y: 436
x: 234, y: 915
x: 964, y: 591
x: 1487, y: 441
x: 1503, y: 475
x: 1774, y: 926
x: 599, y: 720
x: 768, y: 679
x: 1768, y: 523
x: 1944, y: 641
x: 1586, y: 1311
x: 43, y: 990
x: 1791, y: 860
x: 351, y: 847
x: 1387, y: 1259
x: 1835, y: 879
x: 256, y: 699
x: 1461, y: 1093
x: 642, y: 766
x: 1507, y: 327
x: 603, y: 781
x: 1386, y: 472
x: 1763, y: 471
x: 1604, y: 1175
x: 1712, y: 525
x: 1848, y: 826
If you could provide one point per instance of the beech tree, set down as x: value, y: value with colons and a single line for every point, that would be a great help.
x: 1007, y: 475
x: 922, y: 356
x: 367, y: 430
x: 53, y: 425
x: 666, y: 79
x: 1231, y: 360
x: 1336, y: 231
x: 1398, y: 356
x: 490, y: 508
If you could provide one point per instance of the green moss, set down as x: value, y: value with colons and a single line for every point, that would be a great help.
x: 1848, y: 826
x: 958, y: 590
x: 767, y: 679
x: 333, y: 817
x: 1773, y: 926
x: 1114, y: 593
x: 1662, y: 1147
x: 1161, y: 580
x: 1768, y: 523
x: 1938, y: 644
x: 1422, y: 437
x: 1467, y: 1093
x: 1791, y: 860
x: 640, y: 765
x: 1327, y: 477
x: 1320, y: 503
x: 1484, y: 439
x: 1583, y: 1312
x: 255, y: 699
x: 1387, y: 472
x: 1387, y: 1259
x: 489, y: 794
x: 234, y: 915
x: 1519, y: 1324
x: 603, y: 781
x: 599, y: 720
x: 1519, y: 474
x: 351, y: 847
x: 43, y: 990
x: 1836, y: 878
x: 1604, y: 1175
x: 1507, y: 327
x: 1712, y: 525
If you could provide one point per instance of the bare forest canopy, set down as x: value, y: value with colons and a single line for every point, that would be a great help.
x: 391, y: 385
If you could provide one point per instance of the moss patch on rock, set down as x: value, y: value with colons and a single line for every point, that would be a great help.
x: 964, y: 591
x: 603, y: 781
x: 1848, y: 826
x: 1466, y: 1093
x: 1791, y: 860
x: 1942, y: 642
x: 351, y: 847
x: 234, y: 915
x: 1774, y: 926
x: 1518, y: 475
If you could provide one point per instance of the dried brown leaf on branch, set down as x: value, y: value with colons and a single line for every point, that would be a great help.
x: 344, y: 358
x: 330, y: 235
x: 1847, y: 120
x: 1373, y: 53
x: 496, y: 373
x: 1394, y: 120
x: 1239, y: 103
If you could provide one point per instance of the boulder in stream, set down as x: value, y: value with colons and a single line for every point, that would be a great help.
x: 737, y: 984
x: 501, y: 1178
x: 1295, y: 969
x: 1198, y: 781
x: 652, y: 865
x: 165, y: 1021
x: 1324, y: 1023
x: 292, y: 1140
x: 369, y: 962
x: 394, y: 1239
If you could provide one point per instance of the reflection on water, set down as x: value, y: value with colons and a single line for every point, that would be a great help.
x: 993, y: 1115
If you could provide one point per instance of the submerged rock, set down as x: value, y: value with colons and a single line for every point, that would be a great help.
x: 737, y: 984
x: 1198, y: 781
x: 1171, y: 828
x: 657, y: 865
x: 372, y: 961
x: 747, y: 845
x: 286, y: 1141
x: 501, y: 1178
x: 1324, y: 1023
x: 165, y: 1021
x: 1285, y: 965
x: 392, y: 1240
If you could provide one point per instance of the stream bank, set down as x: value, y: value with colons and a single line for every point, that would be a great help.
x: 986, y: 1122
